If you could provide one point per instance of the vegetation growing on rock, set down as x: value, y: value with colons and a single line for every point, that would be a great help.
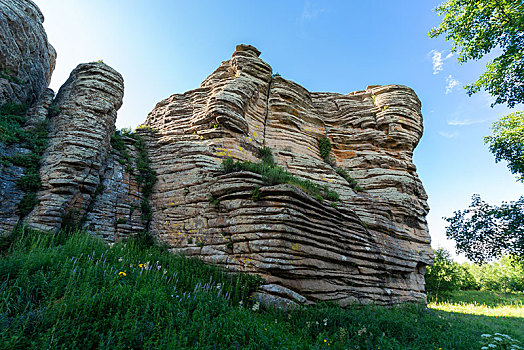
x: 272, y: 174
x: 31, y: 143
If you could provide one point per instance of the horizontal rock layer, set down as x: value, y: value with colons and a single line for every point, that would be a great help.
x: 79, y: 142
x: 369, y: 246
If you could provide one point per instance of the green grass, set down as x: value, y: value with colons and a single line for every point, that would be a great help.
x: 70, y: 291
x: 12, y: 133
x: 272, y: 174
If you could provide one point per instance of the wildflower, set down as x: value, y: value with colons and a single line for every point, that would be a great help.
x: 120, y: 259
x: 122, y: 273
x: 497, y: 339
x: 240, y: 303
x: 325, y: 341
x: 492, y: 345
x: 325, y: 321
x: 485, y: 335
x: 256, y: 306
x: 141, y: 266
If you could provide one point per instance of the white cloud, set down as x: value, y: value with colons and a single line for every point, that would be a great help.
x: 448, y: 135
x: 452, y: 82
x: 438, y: 61
x: 310, y: 12
x: 457, y: 122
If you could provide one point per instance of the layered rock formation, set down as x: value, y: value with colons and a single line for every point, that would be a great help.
x: 79, y: 142
x: 27, y: 60
x: 368, y: 246
x: 354, y: 246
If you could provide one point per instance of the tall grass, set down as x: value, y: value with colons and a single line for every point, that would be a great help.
x: 74, y: 291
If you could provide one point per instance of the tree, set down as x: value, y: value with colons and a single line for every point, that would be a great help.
x: 484, y: 232
x: 507, y: 142
x: 442, y: 277
x: 476, y: 27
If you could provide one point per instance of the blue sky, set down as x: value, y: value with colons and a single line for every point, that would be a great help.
x: 163, y: 47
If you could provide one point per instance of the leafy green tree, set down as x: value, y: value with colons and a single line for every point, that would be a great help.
x: 476, y: 27
x: 442, y: 277
x: 507, y: 142
x: 484, y: 232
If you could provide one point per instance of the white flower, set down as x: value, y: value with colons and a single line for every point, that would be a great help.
x: 325, y: 321
x: 497, y: 339
x: 484, y: 348
x: 120, y: 259
x: 492, y: 345
x: 485, y: 335
x: 240, y: 303
x: 256, y: 306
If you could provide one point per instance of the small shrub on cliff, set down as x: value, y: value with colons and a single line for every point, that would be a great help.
x: 12, y: 120
x: 324, y: 145
x: 351, y: 181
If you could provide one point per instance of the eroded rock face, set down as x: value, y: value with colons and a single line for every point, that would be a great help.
x: 115, y: 212
x: 27, y: 60
x: 79, y: 142
x: 370, y: 246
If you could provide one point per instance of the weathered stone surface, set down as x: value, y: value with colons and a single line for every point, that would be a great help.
x: 79, y: 142
x: 371, y: 246
x: 26, y: 57
x: 10, y: 194
x: 115, y: 211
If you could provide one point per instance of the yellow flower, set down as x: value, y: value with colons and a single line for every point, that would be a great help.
x: 141, y: 266
x: 325, y: 340
x: 122, y: 273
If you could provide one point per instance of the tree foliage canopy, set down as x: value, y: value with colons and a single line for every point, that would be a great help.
x: 507, y: 142
x: 484, y: 232
x: 476, y: 27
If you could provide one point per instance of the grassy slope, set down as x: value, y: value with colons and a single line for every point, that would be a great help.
x: 76, y: 292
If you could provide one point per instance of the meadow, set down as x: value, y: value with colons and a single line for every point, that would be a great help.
x: 71, y: 290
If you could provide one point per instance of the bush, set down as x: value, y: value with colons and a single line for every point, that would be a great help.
x: 324, y: 145
x: 351, y: 181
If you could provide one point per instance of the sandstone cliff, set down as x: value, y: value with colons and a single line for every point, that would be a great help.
x: 339, y: 214
x: 368, y: 246
x: 78, y: 144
